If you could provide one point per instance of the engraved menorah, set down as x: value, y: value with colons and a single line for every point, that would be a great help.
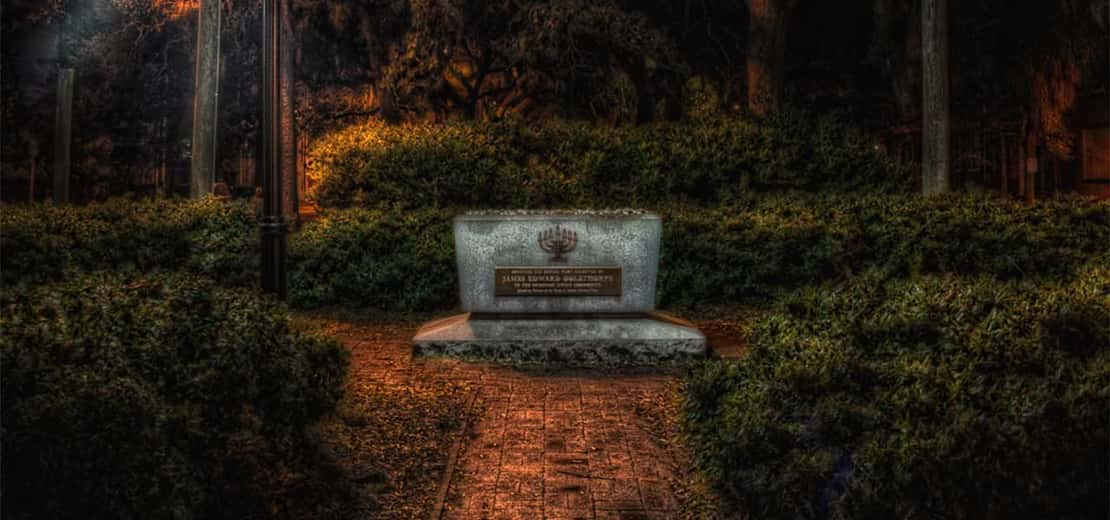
x: 558, y: 241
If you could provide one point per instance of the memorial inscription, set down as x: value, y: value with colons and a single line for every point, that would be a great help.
x: 573, y: 286
x: 557, y: 281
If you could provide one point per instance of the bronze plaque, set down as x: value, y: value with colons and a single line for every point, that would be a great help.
x: 557, y: 281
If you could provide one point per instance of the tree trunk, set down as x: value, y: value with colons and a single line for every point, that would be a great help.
x: 63, y: 135
x: 31, y: 178
x: 907, y: 75
x: 1030, y: 167
x: 766, y: 53
x: 161, y: 183
x: 645, y: 101
x: 1055, y: 175
x: 935, y: 128
x: 206, y: 99
x: 898, y: 40
x: 1003, y: 167
x: 287, y: 118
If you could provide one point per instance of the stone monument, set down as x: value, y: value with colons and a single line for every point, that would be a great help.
x: 563, y: 286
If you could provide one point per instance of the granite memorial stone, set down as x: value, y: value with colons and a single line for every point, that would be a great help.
x: 576, y: 286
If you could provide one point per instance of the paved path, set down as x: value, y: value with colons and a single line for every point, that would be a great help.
x: 566, y: 444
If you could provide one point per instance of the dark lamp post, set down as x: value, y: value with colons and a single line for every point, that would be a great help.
x: 272, y: 224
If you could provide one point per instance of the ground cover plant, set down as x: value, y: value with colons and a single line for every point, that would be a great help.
x: 933, y: 397
x: 132, y: 396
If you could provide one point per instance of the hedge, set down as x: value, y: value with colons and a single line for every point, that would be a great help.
x: 773, y: 243
x: 577, y: 164
x: 403, y: 260
x: 168, y: 396
x: 46, y: 242
x: 938, y: 397
x: 746, y: 251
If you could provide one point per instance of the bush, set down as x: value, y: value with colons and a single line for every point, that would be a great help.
x: 131, y: 397
x: 932, y: 398
x: 574, y: 164
x: 758, y: 246
x: 45, y: 242
x: 401, y: 260
x: 744, y: 252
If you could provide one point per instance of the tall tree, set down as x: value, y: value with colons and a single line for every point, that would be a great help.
x: 205, y: 107
x: 63, y: 134
x: 897, y: 51
x: 767, y: 23
x: 936, y: 122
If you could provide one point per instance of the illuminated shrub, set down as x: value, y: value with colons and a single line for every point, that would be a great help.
x: 933, y: 398
x: 165, y: 395
x: 576, y: 164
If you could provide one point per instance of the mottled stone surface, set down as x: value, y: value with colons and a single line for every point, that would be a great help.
x: 572, y: 341
x: 623, y: 238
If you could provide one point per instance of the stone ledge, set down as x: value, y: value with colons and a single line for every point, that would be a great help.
x: 644, y: 340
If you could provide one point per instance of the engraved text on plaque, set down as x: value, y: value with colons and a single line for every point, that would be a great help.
x: 557, y: 281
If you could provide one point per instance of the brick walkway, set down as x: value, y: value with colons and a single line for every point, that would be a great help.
x: 564, y: 444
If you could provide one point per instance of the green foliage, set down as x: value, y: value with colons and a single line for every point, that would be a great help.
x: 755, y: 247
x: 132, y: 397
x: 744, y: 251
x: 938, y: 397
x: 931, y: 357
x: 45, y: 242
x: 402, y: 260
x: 573, y: 164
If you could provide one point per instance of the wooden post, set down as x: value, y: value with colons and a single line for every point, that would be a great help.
x: 936, y: 125
x: 63, y: 135
x: 206, y: 99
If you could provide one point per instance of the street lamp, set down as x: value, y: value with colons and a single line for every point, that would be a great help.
x: 272, y: 224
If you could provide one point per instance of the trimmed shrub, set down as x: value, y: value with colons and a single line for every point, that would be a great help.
x: 576, y: 164
x: 746, y: 251
x: 932, y: 398
x: 401, y: 260
x: 758, y: 246
x: 976, y: 233
x: 152, y: 397
x: 45, y: 242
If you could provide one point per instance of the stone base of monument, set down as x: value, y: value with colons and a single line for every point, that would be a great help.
x: 616, y: 339
x: 575, y: 286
